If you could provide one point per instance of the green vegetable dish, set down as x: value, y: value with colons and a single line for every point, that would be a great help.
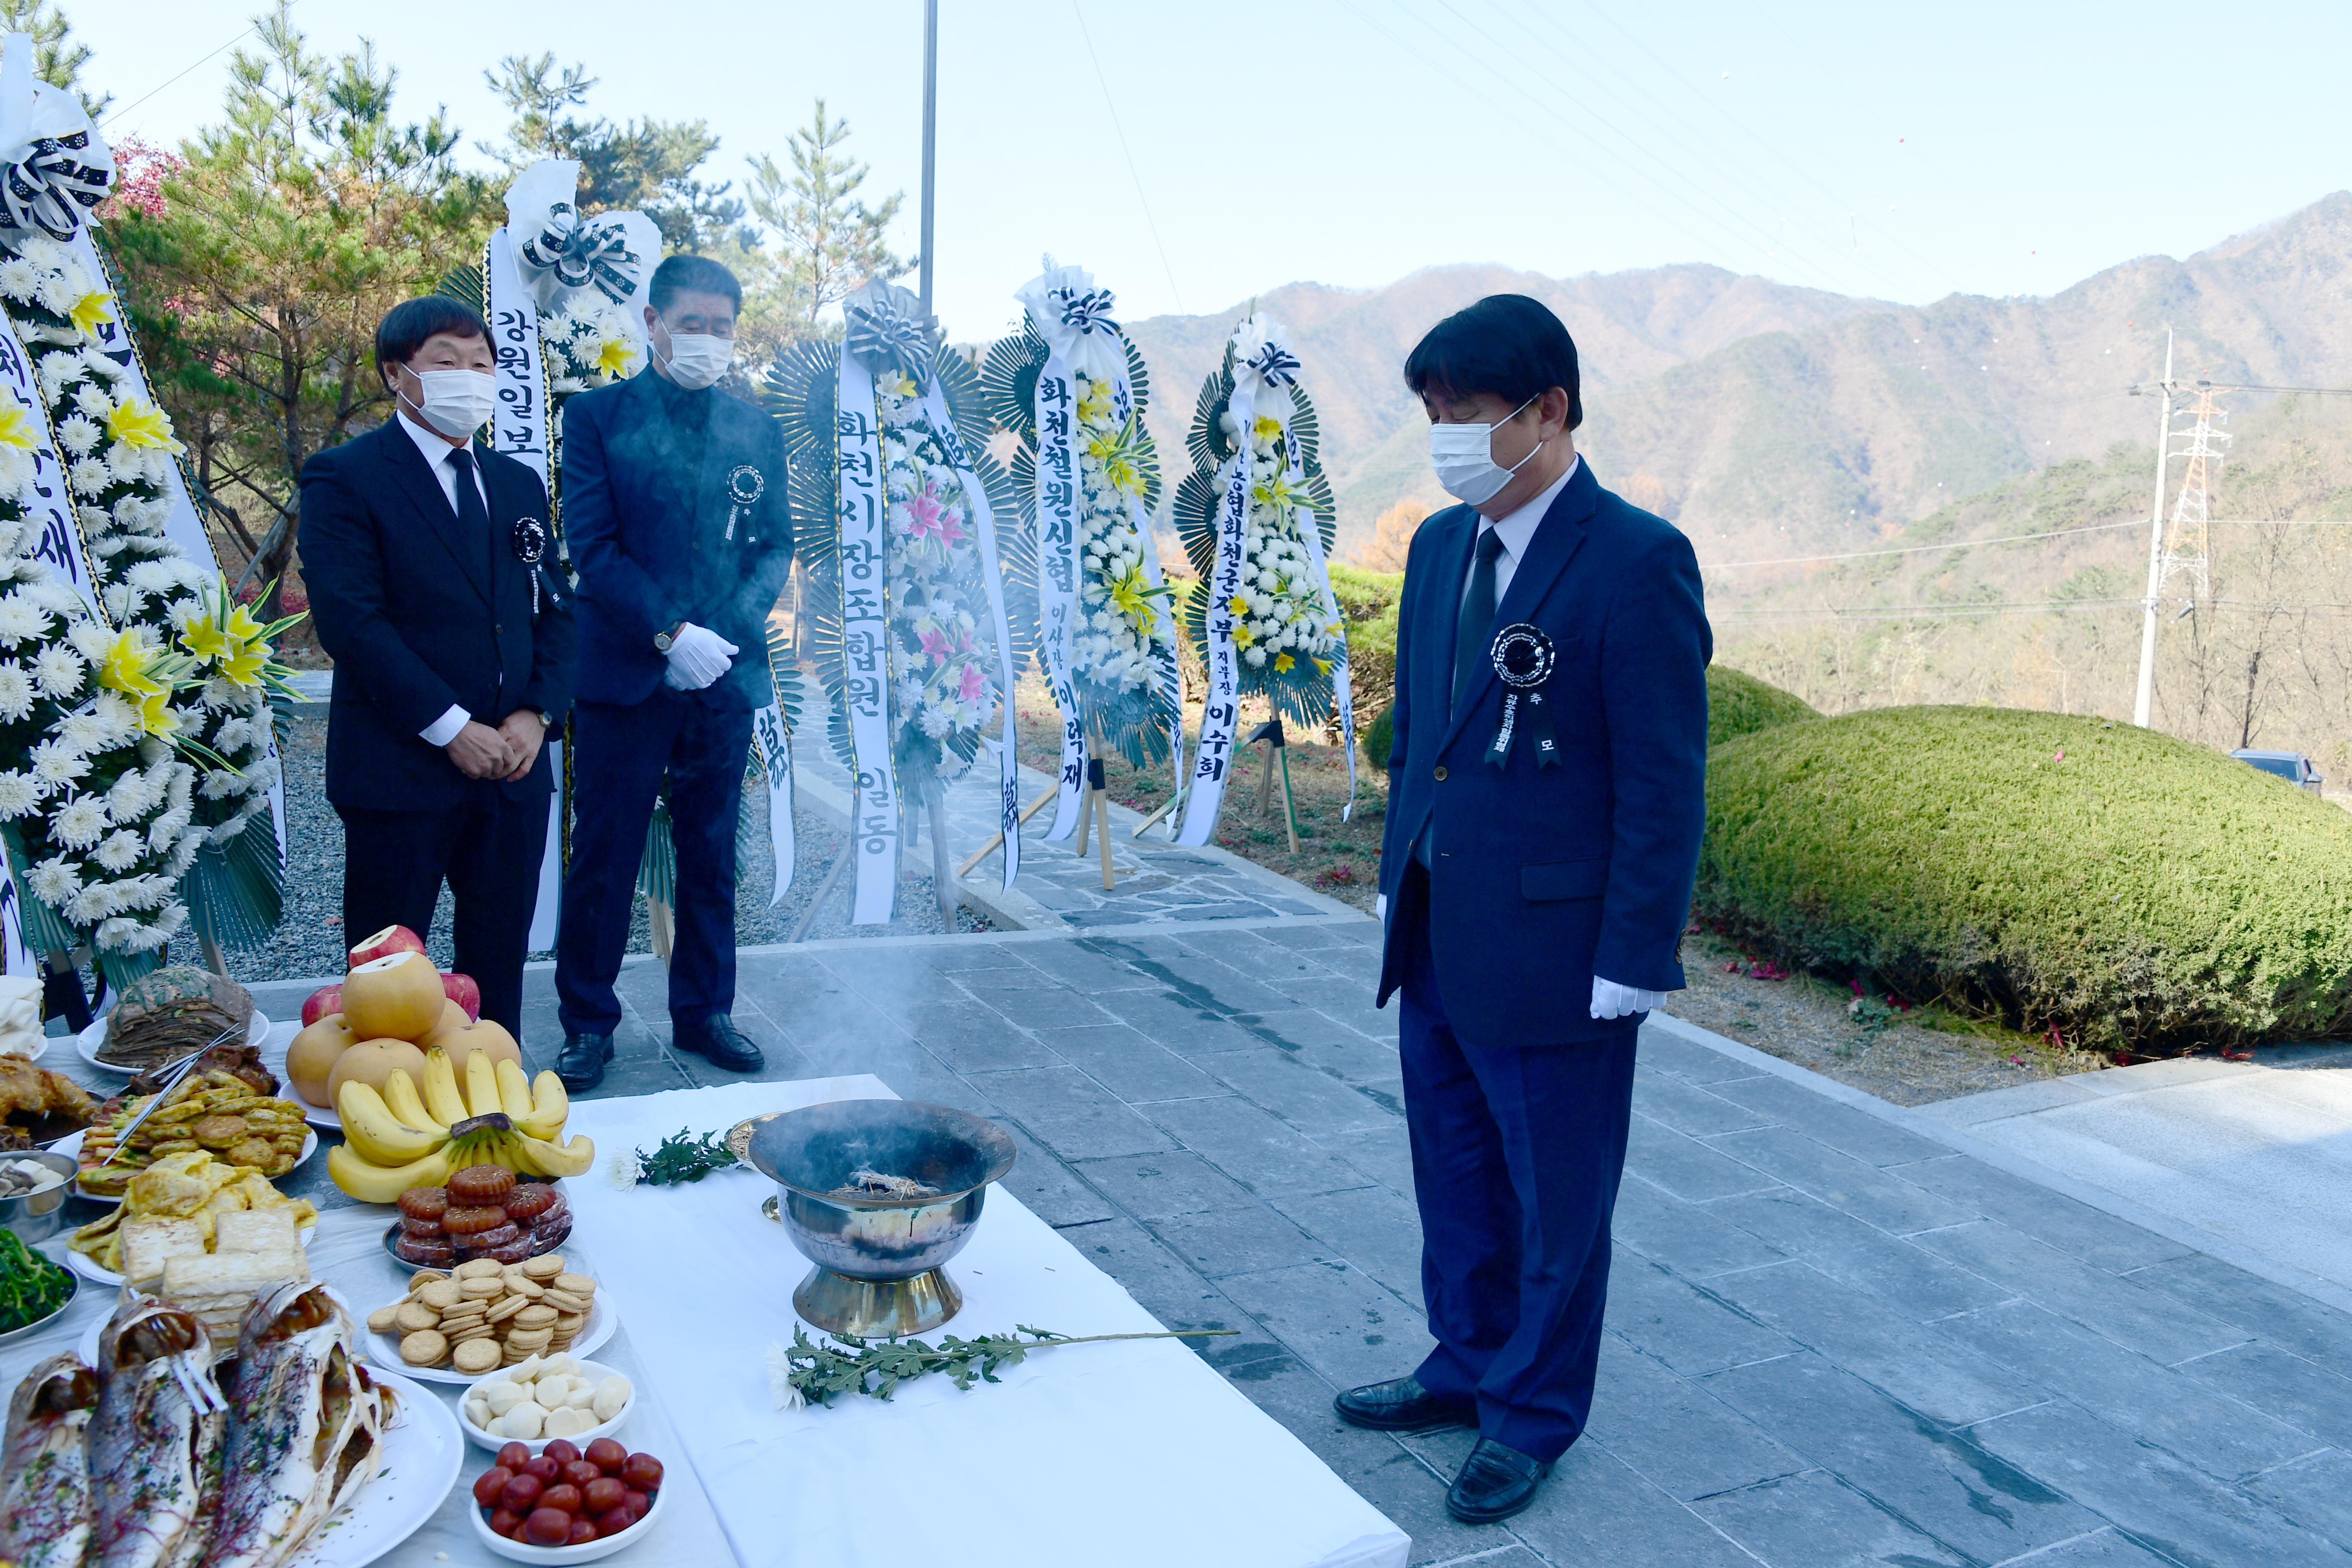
x: 31, y: 1286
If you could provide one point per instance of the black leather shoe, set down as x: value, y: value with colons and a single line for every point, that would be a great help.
x: 1402, y: 1405
x: 1497, y: 1481
x: 719, y: 1042
x: 581, y: 1063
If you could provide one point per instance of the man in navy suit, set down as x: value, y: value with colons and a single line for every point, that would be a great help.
x: 674, y: 505
x: 1547, y: 798
x: 449, y: 667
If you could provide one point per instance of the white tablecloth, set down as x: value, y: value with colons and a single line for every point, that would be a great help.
x: 1137, y: 1454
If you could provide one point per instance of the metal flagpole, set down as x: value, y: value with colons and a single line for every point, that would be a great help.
x: 2144, y: 702
x: 930, y: 135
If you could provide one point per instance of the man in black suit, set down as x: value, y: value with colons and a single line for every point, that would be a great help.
x: 674, y: 504
x: 1546, y: 801
x: 450, y: 663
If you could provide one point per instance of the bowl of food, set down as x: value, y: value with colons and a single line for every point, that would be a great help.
x: 542, y: 1508
x: 541, y: 1402
x: 33, y: 1289
x: 33, y: 1191
x: 878, y: 1194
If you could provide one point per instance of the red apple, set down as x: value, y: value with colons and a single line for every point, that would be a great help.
x: 326, y: 999
x: 389, y: 940
x: 461, y: 989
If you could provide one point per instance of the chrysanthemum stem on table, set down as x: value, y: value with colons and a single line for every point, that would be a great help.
x: 814, y: 1372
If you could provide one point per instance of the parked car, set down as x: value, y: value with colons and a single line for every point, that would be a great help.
x: 2291, y: 766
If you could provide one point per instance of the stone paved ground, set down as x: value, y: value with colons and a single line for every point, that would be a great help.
x: 1831, y: 1340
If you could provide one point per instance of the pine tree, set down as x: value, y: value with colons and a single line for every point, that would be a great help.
x: 831, y: 241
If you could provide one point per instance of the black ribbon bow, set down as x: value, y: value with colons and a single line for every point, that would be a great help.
x: 580, y: 253
x: 886, y: 338
x: 1089, y: 312
x: 1276, y: 365
x: 1523, y: 662
x: 42, y: 190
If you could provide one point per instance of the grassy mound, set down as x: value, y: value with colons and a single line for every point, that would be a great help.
x: 2118, y: 885
x: 1739, y: 704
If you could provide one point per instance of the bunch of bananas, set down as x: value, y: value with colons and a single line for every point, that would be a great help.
x: 411, y: 1136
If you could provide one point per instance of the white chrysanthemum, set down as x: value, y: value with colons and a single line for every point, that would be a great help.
x: 18, y: 795
x: 119, y: 718
x: 21, y: 619
x: 91, y: 640
x: 91, y: 399
x: 83, y: 731
x: 55, y: 879
x: 129, y: 799
x: 79, y: 823
x: 1254, y: 656
x: 135, y: 464
x: 55, y: 370
x: 19, y: 280
x: 90, y: 476
x: 154, y: 576
x: 55, y: 763
x: 120, y: 852
x: 78, y: 433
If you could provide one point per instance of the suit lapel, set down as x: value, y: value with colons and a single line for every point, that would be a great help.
x: 1447, y: 613
x: 505, y: 508
x: 1557, y: 540
x: 423, y: 491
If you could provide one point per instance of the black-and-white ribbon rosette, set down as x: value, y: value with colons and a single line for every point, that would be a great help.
x: 886, y: 337
x: 1086, y: 311
x: 745, y: 486
x: 1276, y: 365
x: 531, y: 548
x: 1523, y: 660
x: 54, y: 184
x: 578, y: 252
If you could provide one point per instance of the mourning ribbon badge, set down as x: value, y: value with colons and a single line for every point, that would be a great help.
x: 531, y: 548
x: 1523, y: 661
x: 745, y: 486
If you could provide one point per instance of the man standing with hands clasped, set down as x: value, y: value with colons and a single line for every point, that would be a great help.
x: 1548, y: 795
x: 674, y: 505
x: 420, y: 546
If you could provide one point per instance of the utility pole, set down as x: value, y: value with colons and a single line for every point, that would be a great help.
x: 2144, y: 702
x: 930, y: 136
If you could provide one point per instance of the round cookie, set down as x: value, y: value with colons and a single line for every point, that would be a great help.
x: 543, y: 1268
x: 536, y: 1317
x: 383, y: 1320
x: 425, y: 1347
x: 414, y: 1315
x: 480, y: 1267
x: 478, y: 1355
x: 483, y: 1288
x: 578, y: 1284
x: 440, y: 1295
x: 513, y: 1306
x: 424, y: 1276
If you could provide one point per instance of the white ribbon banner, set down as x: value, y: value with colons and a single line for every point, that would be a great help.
x: 22, y: 962
x: 1172, y: 681
x: 776, y: 751
x: 50, y: 509
x: 181, y: 526
x: 1057, y: 577
x: 1008, y: 759
x: 1222, y: 713
x: 865, y: 645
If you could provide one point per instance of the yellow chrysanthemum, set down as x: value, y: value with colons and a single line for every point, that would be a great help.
x: 16, y: 426
x: 616, y: 356
x: 1282, y: 663
x: 135, y: 422
x: 1266, y: 428
x: 91, y: 312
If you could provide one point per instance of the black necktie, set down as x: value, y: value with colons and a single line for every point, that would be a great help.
x: 1478, y: 616
x: 473, y: 519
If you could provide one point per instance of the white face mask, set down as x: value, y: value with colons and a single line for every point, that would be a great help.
x: 696, y: 359
x: 456, y: 403
x: 1464, y: 456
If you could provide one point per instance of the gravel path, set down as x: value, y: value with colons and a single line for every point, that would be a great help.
x: 310, y: 939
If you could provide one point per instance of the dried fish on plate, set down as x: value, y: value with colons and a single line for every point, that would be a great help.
x: 45, y: 1502
x: 306, y: 1427
x: 155, y: 1441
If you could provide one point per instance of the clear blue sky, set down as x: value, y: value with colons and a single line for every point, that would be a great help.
x: 1902, y: 151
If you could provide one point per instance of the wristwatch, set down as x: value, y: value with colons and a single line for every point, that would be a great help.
x: 662, y: 640
x: 546, y: 720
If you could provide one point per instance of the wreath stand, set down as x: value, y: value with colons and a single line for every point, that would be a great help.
x: 1276, y: 747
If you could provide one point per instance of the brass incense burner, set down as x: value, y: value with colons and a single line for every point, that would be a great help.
x: 878, y: 1253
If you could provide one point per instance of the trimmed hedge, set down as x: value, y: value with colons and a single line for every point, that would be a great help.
x: 1739, y: 704
x: 2125, y: 888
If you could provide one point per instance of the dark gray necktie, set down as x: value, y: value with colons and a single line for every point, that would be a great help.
x: 474, y: 518
x: 1478, y: 616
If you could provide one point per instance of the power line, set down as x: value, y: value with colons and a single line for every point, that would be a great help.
x: 2333, y: 609
x: 136, y: 102
x: 1109, y: 104
x: 1916, y: 549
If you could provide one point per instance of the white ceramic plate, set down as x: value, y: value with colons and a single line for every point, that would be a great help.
x: 40, y: 1048
x: 89, y: 1267
x: 74, y: 1289
x: 588, y: 1551
x: 595, y: 1371
x: 384, y: 1349
x: 273, y: 1056
x: 72, y: 1145
x: 257, y: 1031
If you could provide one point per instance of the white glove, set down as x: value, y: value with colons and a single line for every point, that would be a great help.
x: 698, y: 656
x: 1611, y: 999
